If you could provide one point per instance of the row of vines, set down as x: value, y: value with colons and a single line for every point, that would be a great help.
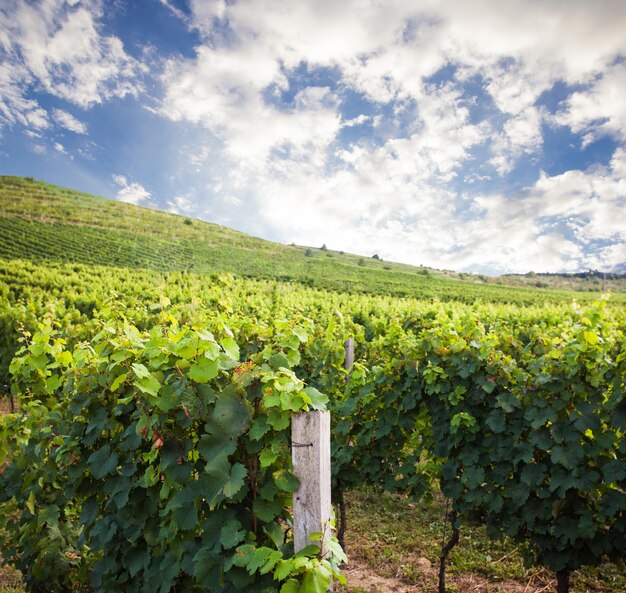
x: 151, y: 450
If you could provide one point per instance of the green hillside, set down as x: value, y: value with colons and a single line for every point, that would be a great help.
x: 43, y: 222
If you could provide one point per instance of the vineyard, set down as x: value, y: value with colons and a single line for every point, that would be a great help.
x: 49, y: 224
x: 150, y: 450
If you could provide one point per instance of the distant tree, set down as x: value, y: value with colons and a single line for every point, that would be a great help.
x: 188, y: 221
x: 323, y: 247
x: 376, y: 256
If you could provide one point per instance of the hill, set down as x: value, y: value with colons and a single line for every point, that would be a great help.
x: 43, y: 222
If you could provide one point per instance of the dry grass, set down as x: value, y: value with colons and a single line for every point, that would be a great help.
x: 394, y: 544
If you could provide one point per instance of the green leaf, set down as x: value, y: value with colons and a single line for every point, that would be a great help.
x: 236, y: 481
x: 278, y: 419
x: 205, y: 566
x: 276, y: 534
x: 290, y: 586
x: 135, y: 560
x: 118, y: 381
x: 562, y: 456
x: 286, y: 481
x: 231, y: 348
x: 259, y: 558
x: 140, y: 370
x: 186, y: 517
x: 591, y: 338
x: 211, y: 446
x: 316, y: 581
x: 267, y: 510
x: 149, y: 385
x: 279, y: 361
x: 283, y: 569
x: 102, y: 462
x: 310, y: 550
x: 187, y: 496
x: 30, y: 503
x: 231, y: 534
x: 203, y: 371
x: 318, y: 399
x: 495, y: 421
x: 258, y: 428
x: 244, y: 555
x: 270, y: 563
x: 230, y: 414
x: 300, y: 333
x: 267, y: 457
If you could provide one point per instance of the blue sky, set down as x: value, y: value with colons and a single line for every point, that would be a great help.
x: 485, y: 136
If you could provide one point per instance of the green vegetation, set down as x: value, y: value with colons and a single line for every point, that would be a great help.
x: 159, y: 461
x: 138, y: 380
x: 45, y: 223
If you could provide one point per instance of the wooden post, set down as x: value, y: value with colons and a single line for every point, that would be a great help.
x: 310, y: 442
x: 349, y: 346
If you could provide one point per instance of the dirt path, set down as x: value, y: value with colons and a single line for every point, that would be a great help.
x: 363, y: 579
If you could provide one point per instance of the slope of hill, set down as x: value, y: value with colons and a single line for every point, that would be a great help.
x: 43, y: 222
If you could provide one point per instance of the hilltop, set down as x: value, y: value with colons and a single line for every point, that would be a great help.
x: 44, y: 222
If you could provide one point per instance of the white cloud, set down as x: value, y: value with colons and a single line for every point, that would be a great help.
x: 69, y: 122
x: 385, y: 51
x: 181, y: 205
x: 132, y: 192
x: 392, y: 193
x: 223, y: 91
x: 270, y: 98
x: 600, y: 109
x: 521, y: 134
x: 56, y: 47
x: 562, y: 223
x: 15, y: 106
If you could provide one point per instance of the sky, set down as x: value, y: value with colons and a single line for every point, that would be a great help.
x: 486, y: 136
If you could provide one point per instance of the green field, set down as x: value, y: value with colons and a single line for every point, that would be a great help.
x: 45, y: 223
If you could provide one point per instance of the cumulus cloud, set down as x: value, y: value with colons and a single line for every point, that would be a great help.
x: 132, y: 192
x: 57, y: 48
x: 388, y: 127
x: 386, y: 52
x: 564, y: 222
x: 396, y: 191
x: 224, y: 92
x: 600, y: 109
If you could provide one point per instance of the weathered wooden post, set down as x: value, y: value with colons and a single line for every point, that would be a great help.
x: 341, y: 533
x: 349, y: 361
x: 310, y: 442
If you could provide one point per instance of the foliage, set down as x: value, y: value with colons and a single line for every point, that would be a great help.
x: 532, y: 432
x: 154, y: 460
